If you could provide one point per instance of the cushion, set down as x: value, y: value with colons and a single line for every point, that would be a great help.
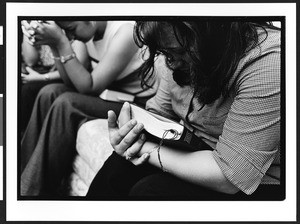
x: 93, y: 148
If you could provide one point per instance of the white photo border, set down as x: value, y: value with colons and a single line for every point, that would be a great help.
x: 21, y: 210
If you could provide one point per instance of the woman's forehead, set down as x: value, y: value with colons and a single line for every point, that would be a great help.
x: 69, y: 24
x: 64, y: 24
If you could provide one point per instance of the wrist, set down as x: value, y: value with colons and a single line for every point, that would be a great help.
x: 46, y: 77
x: 149, y: 148
x: 63, y: 43
x: 153, y: 149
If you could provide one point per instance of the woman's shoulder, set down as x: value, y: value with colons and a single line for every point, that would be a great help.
x: 269, y: 43
x: 261, y: 64
x: 269, y: 40
x: 119, y: 28
x: 116, y: 25
x: 121, y: 22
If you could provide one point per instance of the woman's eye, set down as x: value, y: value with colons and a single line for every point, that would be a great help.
x: 170, y: 59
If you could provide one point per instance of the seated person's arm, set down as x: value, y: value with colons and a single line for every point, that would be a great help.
x: 33, y: 76
x: 196, y: 167
x: 246, y: 147
x: 30, y: 53
x: 80, y: 50
x: 121, y: 50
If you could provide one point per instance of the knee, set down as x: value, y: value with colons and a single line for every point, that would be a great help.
x: 50, y: 92
x: 64, y: 101
x: 148, y: 186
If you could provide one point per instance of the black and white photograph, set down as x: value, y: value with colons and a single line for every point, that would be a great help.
x: 150, y: 112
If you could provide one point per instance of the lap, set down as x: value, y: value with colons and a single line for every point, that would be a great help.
x: 55, y: 88
x: 91, y: 106
x: 164, y: 186
x: 120, y: 179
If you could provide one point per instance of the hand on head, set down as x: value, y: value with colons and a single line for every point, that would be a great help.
x: 28, y: 31
x: 42, y: 32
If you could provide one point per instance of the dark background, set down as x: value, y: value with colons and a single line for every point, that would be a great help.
x: 1, y: 69
x: 2, y: 119
x: 2, y: 64
x: 3, y: 73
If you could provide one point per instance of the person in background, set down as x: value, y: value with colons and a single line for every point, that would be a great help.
x: 38, y: 70
x: 48, y: 145
x: 225, y: 88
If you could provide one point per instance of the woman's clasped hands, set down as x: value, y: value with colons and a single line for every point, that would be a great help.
x: 126, y: 136
x: 42, y: 32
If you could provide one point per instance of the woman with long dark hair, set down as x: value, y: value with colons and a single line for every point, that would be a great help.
x: 224, y: 86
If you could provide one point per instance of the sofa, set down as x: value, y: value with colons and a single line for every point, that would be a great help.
x: 93, y: 148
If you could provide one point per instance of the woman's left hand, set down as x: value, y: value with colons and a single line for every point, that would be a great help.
x: 32, y: 76
x: 126, y: 137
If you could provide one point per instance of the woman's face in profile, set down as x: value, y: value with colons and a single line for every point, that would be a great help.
x: 79, y: 30
x: 177, y: 58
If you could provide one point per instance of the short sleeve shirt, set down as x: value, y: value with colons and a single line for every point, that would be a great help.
x: 243, y: 128
x: 97, y: 50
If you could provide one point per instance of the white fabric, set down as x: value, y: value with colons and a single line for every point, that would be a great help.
x: 93, y: 148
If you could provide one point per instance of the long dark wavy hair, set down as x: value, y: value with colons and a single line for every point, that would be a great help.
x: 214, y: 48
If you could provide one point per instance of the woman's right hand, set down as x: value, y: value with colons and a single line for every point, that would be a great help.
x: 48, y: 33
x: 125, y: 136
x: 28, y: 32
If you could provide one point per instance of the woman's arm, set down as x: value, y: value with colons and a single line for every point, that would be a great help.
x: 246, y: 148
x: 29, y: 52
x: 79, y: 48
x: 121, y: 50
x: 195, y: 167
x: 33, y: 76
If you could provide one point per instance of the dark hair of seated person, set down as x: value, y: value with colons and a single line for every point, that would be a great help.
x: 213, y: 48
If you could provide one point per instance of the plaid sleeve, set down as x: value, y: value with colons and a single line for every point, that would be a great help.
x: 251, y: 133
